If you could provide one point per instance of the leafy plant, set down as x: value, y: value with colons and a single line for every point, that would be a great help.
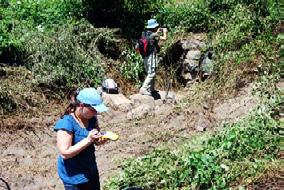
x: 19, y: 19
x: 132, y: 67
x: 7, y: 104
x: 66, y: 57
x: 16, y: 92
x: 225, y: 157
x: 237, y: 31
x: 190, y: 16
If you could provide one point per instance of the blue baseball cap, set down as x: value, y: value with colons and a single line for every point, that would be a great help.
x: 93, y: 98
x: 152, y: 23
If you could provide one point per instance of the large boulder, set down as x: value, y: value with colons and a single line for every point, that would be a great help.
x: 188, y: 44
x: 141, y: 111
x: 138, y: 99
x: 117, y: 101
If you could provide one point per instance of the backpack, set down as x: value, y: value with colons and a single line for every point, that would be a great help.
x: 143, y: 45
x: 109, y: 86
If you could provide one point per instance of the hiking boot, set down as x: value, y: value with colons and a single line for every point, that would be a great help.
x: 145, y: 92
x: 154, y: 92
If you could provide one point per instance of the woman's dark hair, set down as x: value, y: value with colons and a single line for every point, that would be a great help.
x: 73, y: 102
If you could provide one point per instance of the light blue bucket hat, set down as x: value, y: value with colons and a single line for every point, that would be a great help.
x: 93, y: 98
x: 152, y: 23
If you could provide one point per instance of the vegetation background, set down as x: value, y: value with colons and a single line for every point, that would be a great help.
x: 50, y: 46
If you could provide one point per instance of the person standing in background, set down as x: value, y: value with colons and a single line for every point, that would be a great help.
x: 152, y: 34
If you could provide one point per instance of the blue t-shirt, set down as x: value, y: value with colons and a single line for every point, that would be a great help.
x: 82, y: 167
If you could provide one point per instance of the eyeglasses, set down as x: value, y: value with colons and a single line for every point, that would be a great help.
x: 90, y: 106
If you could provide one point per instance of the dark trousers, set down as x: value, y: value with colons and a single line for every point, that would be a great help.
x: 92, y: 185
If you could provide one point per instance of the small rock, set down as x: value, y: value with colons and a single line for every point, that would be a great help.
x: 200, y: 128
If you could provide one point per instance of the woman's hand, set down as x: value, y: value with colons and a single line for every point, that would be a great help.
x: 100, y: 141
x: 65, y: 139
x: 94, y: 135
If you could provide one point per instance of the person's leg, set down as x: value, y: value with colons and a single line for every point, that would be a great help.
x: 150, y: 64
x: 153, y: 68
x: 145, y: 89
x: 148, y: 83
x: 152, y: 82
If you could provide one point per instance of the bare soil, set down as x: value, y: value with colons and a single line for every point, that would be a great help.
x: 270, y: 181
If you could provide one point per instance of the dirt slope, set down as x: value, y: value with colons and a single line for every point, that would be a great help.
x: 28, y: 149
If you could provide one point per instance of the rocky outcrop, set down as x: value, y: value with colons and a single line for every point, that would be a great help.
x: 189, y: 57
x: 138, y: 106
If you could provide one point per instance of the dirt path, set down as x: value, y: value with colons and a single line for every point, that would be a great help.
x: 28, y: 150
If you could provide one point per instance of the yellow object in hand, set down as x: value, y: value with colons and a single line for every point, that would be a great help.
x: 109, y: 135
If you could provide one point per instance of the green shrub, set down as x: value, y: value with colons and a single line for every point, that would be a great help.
x: 237, y: 31
x: 128, y: 15
x: 132, y: 67
x: 201, y: 15
x: 241, y: 34
x: 21, y: 18
x: 16, y: 92
x: 66, y: 57
x: 7, y: 105
x: 190, y: 16
x: 240, y: 150
x: 137, y: 13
